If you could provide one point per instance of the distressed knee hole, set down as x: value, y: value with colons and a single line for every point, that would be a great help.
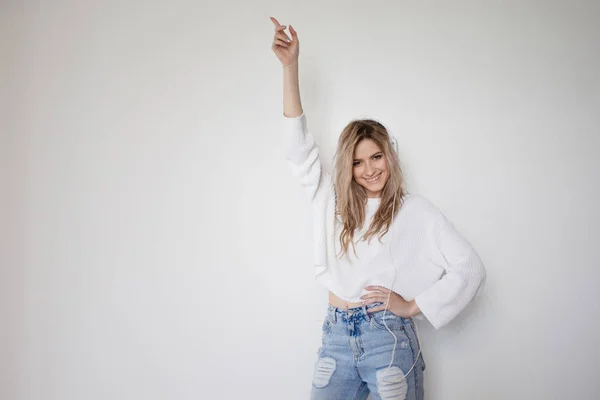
x: 391, y: 384
x: 323, y: 371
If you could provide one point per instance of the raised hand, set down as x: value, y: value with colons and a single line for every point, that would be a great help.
x: 285, y: 49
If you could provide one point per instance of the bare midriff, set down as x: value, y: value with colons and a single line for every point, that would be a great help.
x: 335, y: 301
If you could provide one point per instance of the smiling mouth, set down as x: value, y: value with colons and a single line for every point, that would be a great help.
x: 374, y: 180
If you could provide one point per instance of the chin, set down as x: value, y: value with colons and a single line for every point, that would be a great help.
x: 378, y: 190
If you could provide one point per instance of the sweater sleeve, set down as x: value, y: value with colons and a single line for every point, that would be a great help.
x: 464, y: 276
x: 302, y: 154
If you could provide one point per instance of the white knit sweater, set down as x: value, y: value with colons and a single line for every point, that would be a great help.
x: 435, y: 265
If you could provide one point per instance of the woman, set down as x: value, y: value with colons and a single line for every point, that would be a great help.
x: 384, y: 255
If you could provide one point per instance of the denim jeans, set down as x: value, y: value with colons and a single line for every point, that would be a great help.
x: 354, y: 359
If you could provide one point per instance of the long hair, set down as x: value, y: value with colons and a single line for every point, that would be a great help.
x: 351, y: 197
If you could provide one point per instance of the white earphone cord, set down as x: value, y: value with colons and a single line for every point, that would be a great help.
x: 388, y: 301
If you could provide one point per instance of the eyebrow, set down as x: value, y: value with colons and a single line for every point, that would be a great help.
x: 372, y: 155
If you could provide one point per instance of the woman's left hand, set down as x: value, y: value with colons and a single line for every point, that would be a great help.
x: 397, y: 305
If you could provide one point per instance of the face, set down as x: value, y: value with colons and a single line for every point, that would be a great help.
x: 370, y: 167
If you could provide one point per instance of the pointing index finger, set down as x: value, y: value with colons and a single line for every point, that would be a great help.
x: 278, y: 26
x: 274, y: 20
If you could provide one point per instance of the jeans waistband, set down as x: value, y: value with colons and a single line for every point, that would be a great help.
x: 357, y: 313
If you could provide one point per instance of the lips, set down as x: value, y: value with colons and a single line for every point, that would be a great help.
x: 374, y: 180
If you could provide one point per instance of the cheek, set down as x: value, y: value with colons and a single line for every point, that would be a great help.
x: 385, y: 171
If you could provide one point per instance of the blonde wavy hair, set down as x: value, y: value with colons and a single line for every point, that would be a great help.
x: 351, y: 197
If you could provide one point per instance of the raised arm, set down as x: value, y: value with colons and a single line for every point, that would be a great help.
x: 287, y: 51
x: 300, y: 147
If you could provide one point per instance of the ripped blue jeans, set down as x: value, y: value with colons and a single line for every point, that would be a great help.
x: 354, y: 359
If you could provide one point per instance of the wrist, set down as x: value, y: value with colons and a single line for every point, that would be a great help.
x: 414, y: 308
x: 292, y: 65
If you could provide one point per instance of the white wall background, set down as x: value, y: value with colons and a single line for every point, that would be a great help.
x: 155, y: 245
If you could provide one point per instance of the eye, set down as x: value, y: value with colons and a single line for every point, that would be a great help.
x: 377, y: 157
x: 355, y: 163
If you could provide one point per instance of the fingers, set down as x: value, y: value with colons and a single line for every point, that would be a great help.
x: 278, y: 26
x: 377, y: 289
x: 280, y: 38
x: 373, y: 295
x: 375, y: 300
x: 275, y: 22
x: 377, y: 294
x: 283, y: 36
x: 280, y: 29
x: 376, y: 309
x: 279, y: 42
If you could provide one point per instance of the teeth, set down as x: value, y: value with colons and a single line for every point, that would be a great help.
x: 374, y: 179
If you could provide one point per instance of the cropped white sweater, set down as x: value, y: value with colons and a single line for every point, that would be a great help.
x: 435, y: 265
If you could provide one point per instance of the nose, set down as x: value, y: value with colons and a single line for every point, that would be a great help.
x: 370, y: 170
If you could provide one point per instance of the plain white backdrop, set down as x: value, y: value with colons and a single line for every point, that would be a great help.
x: 155, y: 245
